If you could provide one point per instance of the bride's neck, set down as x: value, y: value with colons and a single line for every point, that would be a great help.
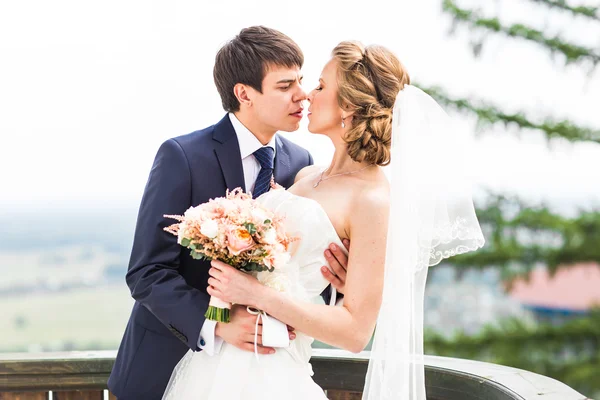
x: 342, y: 163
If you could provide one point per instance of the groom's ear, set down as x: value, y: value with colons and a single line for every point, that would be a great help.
x: 241, y: 92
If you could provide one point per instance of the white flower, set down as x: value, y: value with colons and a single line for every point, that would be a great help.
x: 277, y: 260
x: 270, y: 236
x: 210, y: 228
x: 229, y: 206
x: 259, y: 216
x: 195, y: 214
x: 279, y: 282
x: 181, y: 232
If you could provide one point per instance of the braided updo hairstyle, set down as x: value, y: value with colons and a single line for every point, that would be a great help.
x: 369, y: 79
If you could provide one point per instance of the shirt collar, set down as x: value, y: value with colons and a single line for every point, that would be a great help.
x: 248, y: 142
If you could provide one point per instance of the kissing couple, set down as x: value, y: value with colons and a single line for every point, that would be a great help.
x: 365, y: 238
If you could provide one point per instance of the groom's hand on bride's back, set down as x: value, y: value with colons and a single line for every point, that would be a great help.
x: 338, y: 264
x: 239, y: 332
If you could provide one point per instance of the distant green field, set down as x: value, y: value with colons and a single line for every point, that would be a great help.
x: 84, y: 319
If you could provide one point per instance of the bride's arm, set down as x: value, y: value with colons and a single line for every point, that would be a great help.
x: 349, y: 327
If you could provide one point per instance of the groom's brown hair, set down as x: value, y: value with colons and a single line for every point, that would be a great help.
x: 247, y: 57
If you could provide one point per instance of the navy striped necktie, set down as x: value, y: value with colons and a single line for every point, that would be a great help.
x: 264, y: 156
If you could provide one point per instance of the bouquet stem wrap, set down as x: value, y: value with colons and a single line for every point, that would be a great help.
x: 218, y: 310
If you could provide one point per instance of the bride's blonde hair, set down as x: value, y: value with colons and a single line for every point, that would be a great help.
x: 369, y: 79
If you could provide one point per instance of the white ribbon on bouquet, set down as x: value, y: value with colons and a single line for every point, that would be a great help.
x: 275, y: 332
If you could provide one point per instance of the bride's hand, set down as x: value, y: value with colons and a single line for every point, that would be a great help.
x: 231, y: 285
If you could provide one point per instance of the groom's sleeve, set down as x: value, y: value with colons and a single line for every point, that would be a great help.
x: 207, y: 341
x: 153, y: 276
x: 326, y: 296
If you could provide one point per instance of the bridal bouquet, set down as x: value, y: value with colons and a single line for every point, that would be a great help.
x: 237, y: 230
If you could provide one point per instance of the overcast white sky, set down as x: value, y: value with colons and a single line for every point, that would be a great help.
x: 89, y: 90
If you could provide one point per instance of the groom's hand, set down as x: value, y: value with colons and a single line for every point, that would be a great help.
x: 239, y: 332
x: 338, y: 263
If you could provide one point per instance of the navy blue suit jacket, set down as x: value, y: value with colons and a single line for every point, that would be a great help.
x: 169, y: 287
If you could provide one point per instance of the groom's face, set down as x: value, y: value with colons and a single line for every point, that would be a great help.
x: 280, y: 105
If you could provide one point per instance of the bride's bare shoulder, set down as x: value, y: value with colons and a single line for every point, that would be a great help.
x: 308, y: 171
x: 372, y: 196
x: 368, y: 211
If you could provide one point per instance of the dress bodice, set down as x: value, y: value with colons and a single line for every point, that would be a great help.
x: 285, y: 374
x: 306, y: 220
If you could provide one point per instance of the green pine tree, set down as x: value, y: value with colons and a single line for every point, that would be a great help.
x: 568, y: 352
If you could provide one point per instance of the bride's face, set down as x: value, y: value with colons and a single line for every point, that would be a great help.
x: 324, y: 113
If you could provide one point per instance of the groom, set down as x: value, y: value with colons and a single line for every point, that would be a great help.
x: 259, y: 80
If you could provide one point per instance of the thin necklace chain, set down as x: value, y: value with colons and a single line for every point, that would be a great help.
x: 321, y: 179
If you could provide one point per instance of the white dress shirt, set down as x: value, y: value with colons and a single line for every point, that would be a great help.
x: 248, y: 145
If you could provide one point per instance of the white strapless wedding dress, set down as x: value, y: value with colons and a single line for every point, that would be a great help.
x: 236, y: 374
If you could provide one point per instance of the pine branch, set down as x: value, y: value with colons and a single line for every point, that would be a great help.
x: 520, y: 236
x: 489, y: 115
x: 569, y: 352
x: 590, y: 12
x: 514, y: 332
x: 572, y: 52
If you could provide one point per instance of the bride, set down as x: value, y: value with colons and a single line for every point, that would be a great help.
x: 397, y: 228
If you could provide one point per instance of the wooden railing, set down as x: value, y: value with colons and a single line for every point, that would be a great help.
x: 83, y: 376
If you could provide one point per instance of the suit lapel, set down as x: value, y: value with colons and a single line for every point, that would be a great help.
x: 227, y: 150
x: 282, y: 169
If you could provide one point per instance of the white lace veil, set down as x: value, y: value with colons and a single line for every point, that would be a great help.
x: 431, y: 218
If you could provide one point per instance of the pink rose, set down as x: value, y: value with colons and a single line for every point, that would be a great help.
x: 239, y: 240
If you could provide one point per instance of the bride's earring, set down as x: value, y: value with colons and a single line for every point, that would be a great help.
x: 343, y: 123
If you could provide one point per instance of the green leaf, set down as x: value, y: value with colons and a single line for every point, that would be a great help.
x: 197, y: 255
x: 185, y: 242
x: 254, y: 267
x: 250, y: 227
